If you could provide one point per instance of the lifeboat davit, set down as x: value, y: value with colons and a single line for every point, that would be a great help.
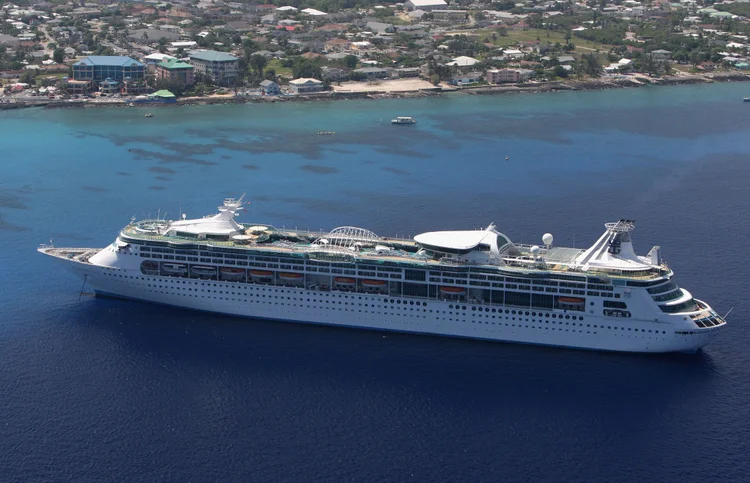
x: 229, y: 273
x: 571, y: 300
x: 261, y: 273
x: 344, y: 281
x: 293, y: 277
x: 453, y: 290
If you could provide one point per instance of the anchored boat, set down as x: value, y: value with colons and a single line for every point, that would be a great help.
x: 463, y: 283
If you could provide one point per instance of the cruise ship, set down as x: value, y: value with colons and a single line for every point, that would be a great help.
x: 467, y: 283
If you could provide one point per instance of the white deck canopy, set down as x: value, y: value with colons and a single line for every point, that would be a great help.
x: 221, y: 224
x: 487, y: 242
x: 453, y: 240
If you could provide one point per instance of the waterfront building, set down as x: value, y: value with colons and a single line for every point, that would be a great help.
x: 408, y: 72
x: 220, y: 67
x: 133, y: 86
x: 109, y: 86
x: 334, y: 74
x: 80, y: 87
x: 499, y: 76
x: 173, y: 70
x: 373, y: 72
x: 98, y: 68
x: 305, y: 85
x: 466, y: 79
x: 162, y: 96
x: 270, y: 88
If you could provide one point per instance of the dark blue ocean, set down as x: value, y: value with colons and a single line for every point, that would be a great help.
x: 102, y: 389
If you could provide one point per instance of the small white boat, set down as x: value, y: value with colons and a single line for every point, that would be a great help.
x: 746, y: 99
x: 203, y: 271
x: 149, y: 115
x: 174, y: 268
x: 404, y: 120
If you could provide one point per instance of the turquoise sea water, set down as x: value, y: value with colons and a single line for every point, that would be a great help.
x: 97, y: 388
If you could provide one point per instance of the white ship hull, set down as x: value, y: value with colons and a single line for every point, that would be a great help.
x: 122, y: 278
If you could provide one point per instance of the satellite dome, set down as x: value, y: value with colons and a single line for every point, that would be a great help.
x: 535, y: 251
x: 548, y: 239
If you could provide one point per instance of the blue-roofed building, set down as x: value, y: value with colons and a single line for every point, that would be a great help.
x: 98, y: 68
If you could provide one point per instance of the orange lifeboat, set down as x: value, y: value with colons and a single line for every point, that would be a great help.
x: 290, y: 276
x: 453, y: 290
x: 230, y: 270
x: 261, y: 273
x: 571, y: 300
x: 374, y: 283
x: 344, y: 281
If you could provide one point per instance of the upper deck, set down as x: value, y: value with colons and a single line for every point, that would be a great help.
x: 354, y: 245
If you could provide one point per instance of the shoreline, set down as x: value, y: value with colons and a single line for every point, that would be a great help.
x: 529, y: 88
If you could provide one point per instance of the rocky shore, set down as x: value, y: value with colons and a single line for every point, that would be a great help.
x: 531, y: 87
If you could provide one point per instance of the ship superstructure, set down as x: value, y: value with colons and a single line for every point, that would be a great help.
x: 468, y: 283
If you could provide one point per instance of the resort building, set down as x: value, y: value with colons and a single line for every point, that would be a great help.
x: 499, y: 76
x: 98, y: 68
x: 220, y: 67
x: 173, y: 70
x: 305, y: 85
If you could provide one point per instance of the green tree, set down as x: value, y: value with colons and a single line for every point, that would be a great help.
x: 28, y: 77
x: 258, y: 63
x: 351, y: 61
x: 58, y: 55
x: 302, y: 67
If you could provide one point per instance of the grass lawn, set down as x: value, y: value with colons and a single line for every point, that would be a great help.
x: 687, y: 68
x: 529, y: 35
x: 275, y: 64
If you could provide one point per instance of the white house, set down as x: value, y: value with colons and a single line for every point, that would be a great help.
x: 304, y: 85
x: 312, y: 12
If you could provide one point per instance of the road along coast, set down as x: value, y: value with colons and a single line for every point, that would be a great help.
x: 396, y: 89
